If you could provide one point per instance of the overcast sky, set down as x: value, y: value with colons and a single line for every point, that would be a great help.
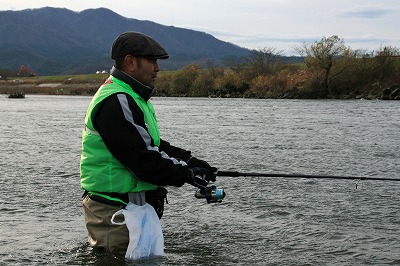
x: 257, y: 24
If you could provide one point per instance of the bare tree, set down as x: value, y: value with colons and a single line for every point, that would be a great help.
x: 261, y: 62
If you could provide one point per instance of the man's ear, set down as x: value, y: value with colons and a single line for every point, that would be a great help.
x: 130, y: 63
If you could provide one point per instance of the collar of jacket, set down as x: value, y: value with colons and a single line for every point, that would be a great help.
x: 142, y: 90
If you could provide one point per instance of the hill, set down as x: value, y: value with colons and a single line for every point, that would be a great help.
x: 57, y: 41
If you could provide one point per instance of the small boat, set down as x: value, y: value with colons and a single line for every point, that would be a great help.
x: 17, y: 95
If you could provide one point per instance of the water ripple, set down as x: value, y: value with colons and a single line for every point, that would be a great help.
x: 262, y: 221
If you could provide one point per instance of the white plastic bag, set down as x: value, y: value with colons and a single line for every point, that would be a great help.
x: 145, y: 233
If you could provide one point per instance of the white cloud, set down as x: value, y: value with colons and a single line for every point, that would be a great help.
x: 367, y: 12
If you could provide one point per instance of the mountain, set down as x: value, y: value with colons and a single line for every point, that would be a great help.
x: 53, y: 41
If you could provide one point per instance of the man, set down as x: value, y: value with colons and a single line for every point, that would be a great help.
x: 123, y: 157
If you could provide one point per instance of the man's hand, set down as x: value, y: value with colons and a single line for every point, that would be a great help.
x: 194, y: 162
x: 200, y: 177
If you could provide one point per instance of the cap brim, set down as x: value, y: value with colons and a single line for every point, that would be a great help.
x: 157, y: 56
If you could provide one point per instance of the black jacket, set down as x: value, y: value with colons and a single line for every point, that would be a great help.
x: 159, y: 165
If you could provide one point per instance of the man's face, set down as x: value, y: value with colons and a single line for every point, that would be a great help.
x: 146, y: 71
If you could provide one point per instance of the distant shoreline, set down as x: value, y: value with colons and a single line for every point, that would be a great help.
x: 87, y: 85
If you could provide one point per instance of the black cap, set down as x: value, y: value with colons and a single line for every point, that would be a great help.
x: 137, y: 44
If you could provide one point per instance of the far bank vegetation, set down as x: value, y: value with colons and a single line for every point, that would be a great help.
x: 330, y: 70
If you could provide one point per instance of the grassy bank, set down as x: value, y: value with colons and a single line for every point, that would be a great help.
x: 53, y: 85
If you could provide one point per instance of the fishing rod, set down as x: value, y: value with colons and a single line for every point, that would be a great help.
x: 238, y: 174
x: 213, y: 194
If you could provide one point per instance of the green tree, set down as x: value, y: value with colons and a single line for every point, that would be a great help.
x: 203, y: 85
x: 366, y: 69
x: 386, y: 62
x: 183, y: 79
x: 323, y: 59
x: 230, y: 84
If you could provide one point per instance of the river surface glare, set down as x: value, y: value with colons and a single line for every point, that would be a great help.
x: 261, y: 221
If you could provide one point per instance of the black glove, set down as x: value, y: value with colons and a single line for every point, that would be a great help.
x: 200, y: 177
x: 194, y: 162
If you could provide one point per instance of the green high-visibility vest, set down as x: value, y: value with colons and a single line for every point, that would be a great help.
x: 100, y: 170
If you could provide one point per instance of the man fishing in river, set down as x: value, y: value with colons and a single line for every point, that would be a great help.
x: 124, y: 159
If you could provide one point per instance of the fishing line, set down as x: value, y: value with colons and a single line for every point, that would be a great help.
x: 358, y: 178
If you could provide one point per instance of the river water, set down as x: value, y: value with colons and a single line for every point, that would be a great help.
x: 262, y: 221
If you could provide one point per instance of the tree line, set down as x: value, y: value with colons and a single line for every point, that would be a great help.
x: 330, y: 70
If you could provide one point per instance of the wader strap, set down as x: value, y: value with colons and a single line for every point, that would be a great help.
x: 85, y: 193
x: 138, y: 198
